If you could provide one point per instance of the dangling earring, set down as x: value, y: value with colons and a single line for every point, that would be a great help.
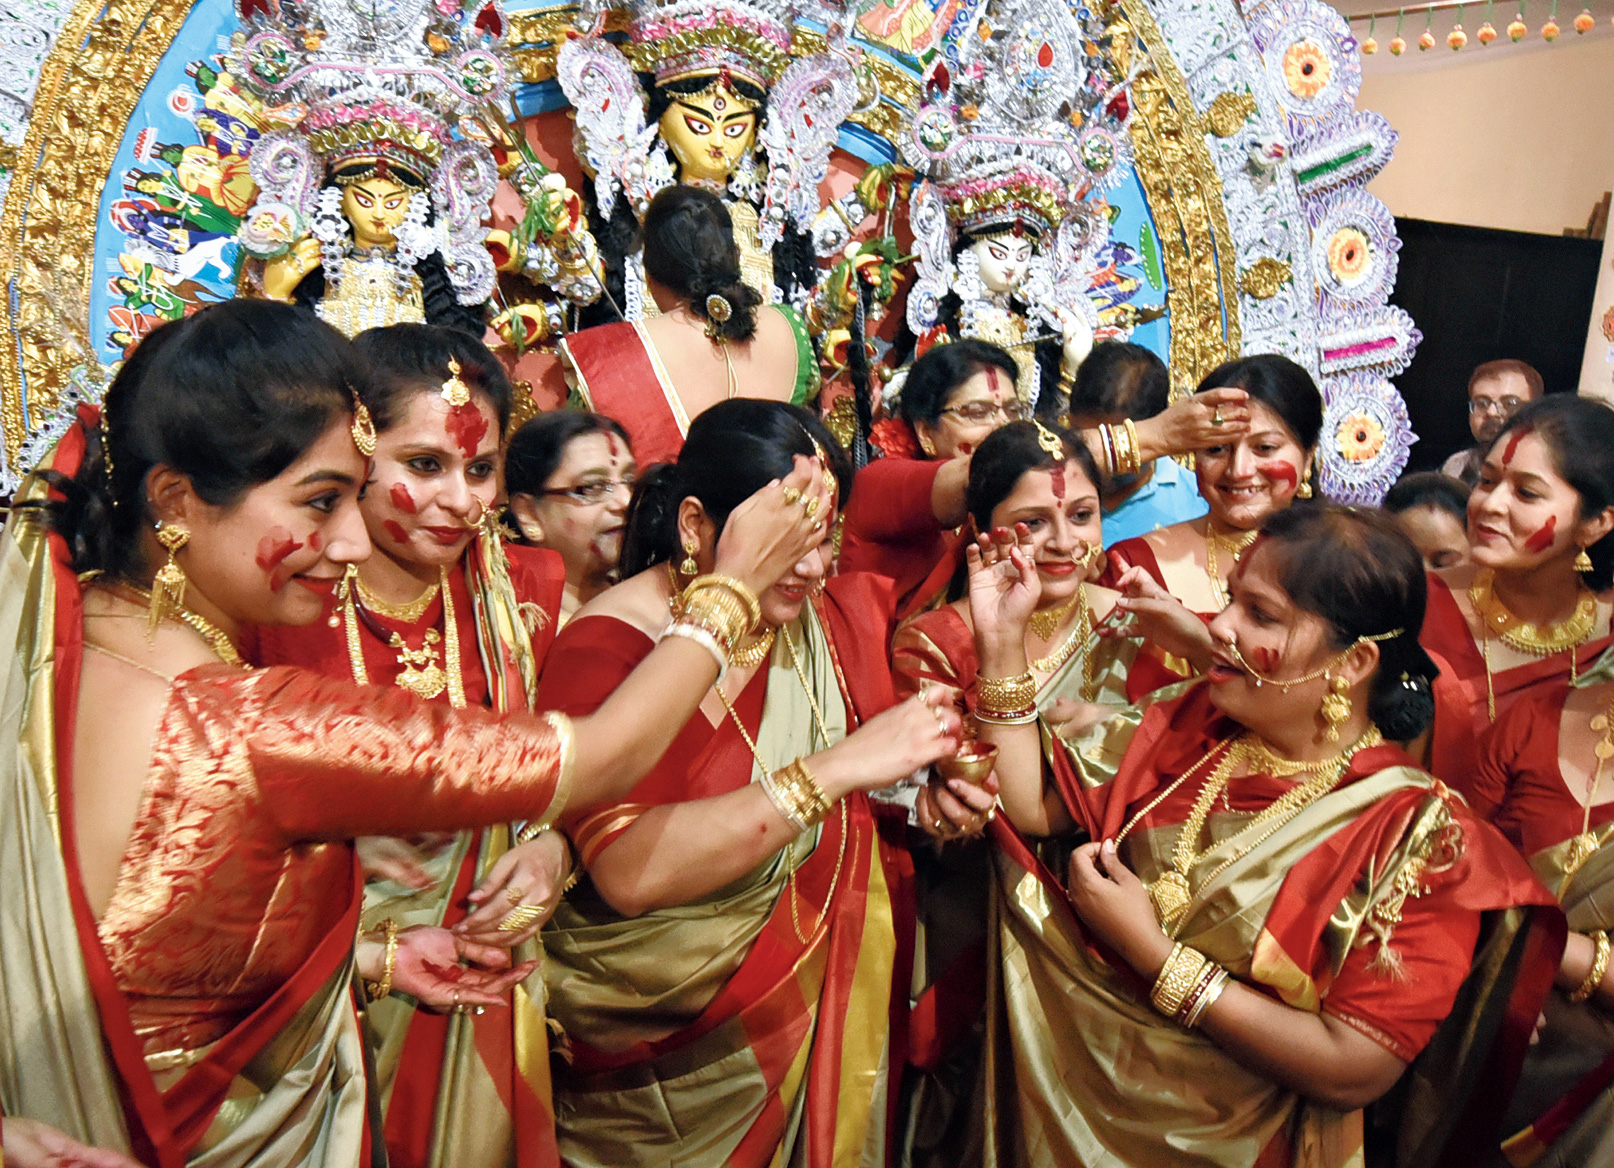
x: 689, y: 567
x: 1304, y: 490
x: 1583, y: 562
x: 1336, y: 708
x: 344, y: 592
x: 168, y: 588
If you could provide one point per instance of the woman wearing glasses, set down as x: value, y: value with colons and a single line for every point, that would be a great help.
x: 569, y: 475
x: 444, y: 609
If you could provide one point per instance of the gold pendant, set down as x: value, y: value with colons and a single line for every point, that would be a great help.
x: 1171, y: 897
x: 421, y: 675
x: 1582, y: 848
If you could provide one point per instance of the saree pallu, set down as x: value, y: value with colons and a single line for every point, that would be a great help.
x: 284, y: 1087
x: 753, y: 1026
x: 1080, y: 1070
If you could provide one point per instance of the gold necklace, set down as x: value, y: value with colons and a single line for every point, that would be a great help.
x: 407, y: 613
x: 1521, y: 634
x: 217, y: 639
x: 1171, y: 892
x: 1045, y: 622
x: 420, y: 674
x: 750, y: 654
x: 1234, y: 544
x: 1078, y: 637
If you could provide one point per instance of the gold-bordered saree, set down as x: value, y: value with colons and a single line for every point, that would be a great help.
x: 1080, y: 1070
x: 754, y: 1025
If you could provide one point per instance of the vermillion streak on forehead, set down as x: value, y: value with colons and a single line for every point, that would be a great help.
x: 616, y: 449
x: 402, y: 499
x: 993, y: 376
x: 1542, y: 540
x: 466, y: 426
x: 1513, y: 444
x: 1058, y: 477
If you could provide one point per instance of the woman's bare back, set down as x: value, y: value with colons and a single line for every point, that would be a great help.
x: 764, y: 366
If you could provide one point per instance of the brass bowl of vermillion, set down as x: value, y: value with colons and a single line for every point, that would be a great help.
x: 972, y: 764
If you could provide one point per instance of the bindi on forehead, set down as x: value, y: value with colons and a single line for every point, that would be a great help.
x: 994, y: 379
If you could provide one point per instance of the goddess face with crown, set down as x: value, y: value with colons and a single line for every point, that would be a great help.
x: 708, y: 95
x: 1012, y: 137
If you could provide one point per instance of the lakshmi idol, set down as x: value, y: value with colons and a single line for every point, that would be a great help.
x: 371, y: 206
x: 446, y: 610
x: 1234, y: 925
x: 725, y: 974
x: 1528, y: 613
x: 179, y: 826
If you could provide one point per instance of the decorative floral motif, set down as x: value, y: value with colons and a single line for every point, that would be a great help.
x: 1366, y: 439
x: 1307, y: 69
x: 1354, y: 235
x: 1348, y: 255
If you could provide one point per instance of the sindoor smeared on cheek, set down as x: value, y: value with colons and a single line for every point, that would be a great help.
x: 1542, y: 540
x: 402, y: 499
x: 395, y: 530
x: 466, y: 426
x: 1282, y: 472
x: 273, y: 549
x: 1266, y: 658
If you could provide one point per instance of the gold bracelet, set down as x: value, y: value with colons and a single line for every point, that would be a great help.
x: 1107, y: 441
x: 801, y: 793
x: 1004, y: 696
x: 1599, y: 969
x: 1135, y: 445
x: 577, y: 865
x: 720, y: 611
x: 380, y: 989
x: 1019, y: 717
x: 1177, y: 979
x: 1206, y: 997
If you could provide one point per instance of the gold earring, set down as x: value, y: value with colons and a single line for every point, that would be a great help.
x: 1337, y: 707
x: 927, y: 446
x: 344, y: 593
x: 1583, y: 562
x: 1304, y: 490
x: 689, y: 567
x: 168, y: 587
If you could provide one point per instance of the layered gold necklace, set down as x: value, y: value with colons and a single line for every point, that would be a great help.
x: 1499, y: 621
x: 1234, y: 545
x: 419, y: 670
x: 1171, y: 892
x: 1079, y: 637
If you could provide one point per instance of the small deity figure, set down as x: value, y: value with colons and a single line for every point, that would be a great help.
x: 370, y: 210
x: 1012, y: 137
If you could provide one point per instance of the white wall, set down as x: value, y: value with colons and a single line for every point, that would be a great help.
x: 1511, y: 136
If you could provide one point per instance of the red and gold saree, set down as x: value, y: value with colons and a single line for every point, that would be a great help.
x: 1384, y: 903
x: 753, y: 1026
x: 1563, y: 1111
x: 458, y: 1091
x: 208, y: 1018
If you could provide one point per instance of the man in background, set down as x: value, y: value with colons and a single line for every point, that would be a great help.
x: 1496, y: 390
x: 1118, y: 381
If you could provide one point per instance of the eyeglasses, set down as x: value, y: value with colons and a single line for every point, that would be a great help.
x: 977, y: 412
x: 1485, y: 405
x: 593, y: 491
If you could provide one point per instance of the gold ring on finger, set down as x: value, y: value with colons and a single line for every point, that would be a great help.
x: 521, y: 918
x: 811, y: 506
x: 1216, y: 415
x: 792, y: 495
x: 514, y: 894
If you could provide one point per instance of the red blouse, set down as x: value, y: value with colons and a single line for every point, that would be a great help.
x: 891, y: 530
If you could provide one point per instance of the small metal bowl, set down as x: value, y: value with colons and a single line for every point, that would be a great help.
x: 972, y: 764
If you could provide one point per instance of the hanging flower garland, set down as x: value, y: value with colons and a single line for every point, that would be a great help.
x: 1457, y: 37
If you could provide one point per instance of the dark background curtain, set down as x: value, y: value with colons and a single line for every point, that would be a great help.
x: 1479, y: 294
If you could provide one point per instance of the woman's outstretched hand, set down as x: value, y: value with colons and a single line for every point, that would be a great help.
x: 443, y: 972
x: 1196, y: 423
x: 27, y: 1143
x: 766, y: 535
x: 523, y: 884
x: 1004, y: 589
x: 890, y: 746
x: 1161, y: 619
x: 1114, y: 904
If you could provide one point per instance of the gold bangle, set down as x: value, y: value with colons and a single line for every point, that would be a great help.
x: 1020, y: 717
x: 1594, y: 977
x: 1177, y: 979
x: 1006, y: 696
x: 729, y: 584
x: 577, y: 865
x: 1136, y: 448
x: 720, y: 617
x: 1107, y: 441
x: 802, y: 798
x: 380, y: 989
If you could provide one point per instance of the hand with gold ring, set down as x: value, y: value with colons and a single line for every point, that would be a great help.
x: 792, y: 495
x: 1206, y: 419
x: 520, y: 891
x: 440, y: 970
x: 1216, y: 416
x: 955, y: 808
x: 766, y: 536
